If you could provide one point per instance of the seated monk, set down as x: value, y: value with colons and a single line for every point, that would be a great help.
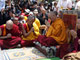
x: 56, y: 32
x: 76, y: 36
x: 71, y: 47
x: 9, y: 35
x: 31, y: 31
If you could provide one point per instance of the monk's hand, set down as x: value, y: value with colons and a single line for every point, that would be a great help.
x: 2, y: 10
x: 73, y: 33
x: 44, y: 17
x: 47, y: 23
x: 32, y: 29
x: 9, y: 35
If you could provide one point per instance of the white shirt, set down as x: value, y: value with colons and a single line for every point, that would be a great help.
x: 55, y: 9
x: 2, y: 4
x: 77, y: 5
x: 64, y: 4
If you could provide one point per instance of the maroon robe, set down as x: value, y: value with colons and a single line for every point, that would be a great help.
x: 65, y: 48
x: 14, y: 40
x: 25, y: 43
x: 76, y: 44
x: 20, y: 26
x: 46, y: 41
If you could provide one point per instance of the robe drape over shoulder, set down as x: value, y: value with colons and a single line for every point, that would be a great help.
x: 56, y: 34
x: 32, y: 36
x: 14, y: 40
x: 76, y: 44
x: 28, y: 41
x: 57, y: 31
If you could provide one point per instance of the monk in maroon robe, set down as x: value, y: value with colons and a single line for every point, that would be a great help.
x: 77, y: 41
x: 16, y: 22
x: 9, y: 35
x: 68, y: 48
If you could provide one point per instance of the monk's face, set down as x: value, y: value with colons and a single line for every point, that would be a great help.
x: 31, y: 21
x: 9, y: 27
x: 15, y: 22
x: 51, y: 17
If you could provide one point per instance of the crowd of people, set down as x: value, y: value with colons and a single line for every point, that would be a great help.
x: 24, y: 22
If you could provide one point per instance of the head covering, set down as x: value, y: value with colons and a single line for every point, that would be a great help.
x: 27, y: 10
x: 35, y: 11
x: 31, y: 13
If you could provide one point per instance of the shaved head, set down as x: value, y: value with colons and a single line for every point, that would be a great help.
x: 15, y: 20
x: 31, y: 19
x: 9, y: 24
x: 52, y: 15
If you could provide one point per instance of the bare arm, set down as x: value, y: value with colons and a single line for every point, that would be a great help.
x: 24, y: 32
x: 73, y: 33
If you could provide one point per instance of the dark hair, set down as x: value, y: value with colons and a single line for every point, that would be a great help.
x: 55, y: 3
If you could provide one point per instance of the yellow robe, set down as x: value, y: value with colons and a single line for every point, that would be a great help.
x: 32, y: 36
x: 4, y: 31
x: 57, y: 31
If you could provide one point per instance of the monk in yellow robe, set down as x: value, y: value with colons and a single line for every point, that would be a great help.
x: 30, y: 31
x: 56, y: 32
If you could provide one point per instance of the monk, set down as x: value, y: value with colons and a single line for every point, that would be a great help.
x: 56, y: 32
x: 74, y: 46
x: 69, y: 47
x: 9, y: 35
x: 76, y: 36
x: 30, y: 31
x: 16, y: 22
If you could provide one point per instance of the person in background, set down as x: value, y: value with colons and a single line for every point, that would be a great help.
x: 50, y: 7
x: 43, y: 16
x: 55, y: 6
x: 21, y: 19
x: 77, y: 5
x: 2, y: 5
x: 64, y: 4
x: 36, y: 13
